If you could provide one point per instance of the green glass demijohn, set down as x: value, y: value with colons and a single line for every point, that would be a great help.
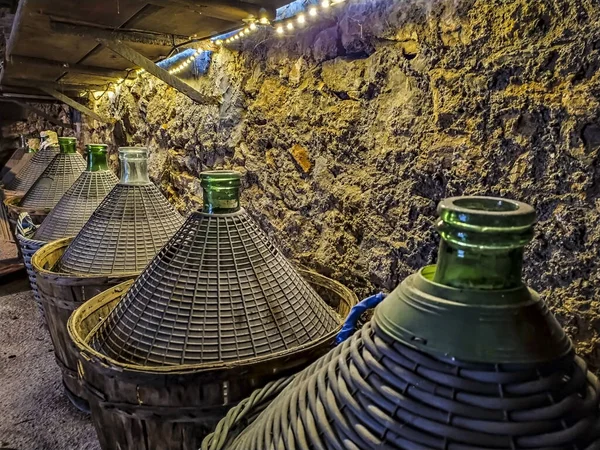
x: 473, y: 306
x: 67, y: 144
x: 221, y: 191
x: 96, y: 157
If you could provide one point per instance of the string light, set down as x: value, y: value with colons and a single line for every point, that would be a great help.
x: 290, y: 26
x: 312, y: 11
x: 301, y: 19
x: 325, y: 4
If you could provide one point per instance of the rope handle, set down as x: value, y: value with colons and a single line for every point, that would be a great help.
x: 349, y: 326
x: 25, y: 225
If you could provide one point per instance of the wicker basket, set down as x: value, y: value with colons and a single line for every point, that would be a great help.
x: 14, y: 211
x: 28, y: 248
x: 167, y: 408
x: 29, y: 172
x: 61, y: 294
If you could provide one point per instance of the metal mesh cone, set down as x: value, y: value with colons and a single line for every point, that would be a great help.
x: 14, y: 159
x: 129, y: 227
x: 218, y: 291
x: 77, y: 205
x: 30, y: 172
x: 52, y: 184
x: 14, y: 170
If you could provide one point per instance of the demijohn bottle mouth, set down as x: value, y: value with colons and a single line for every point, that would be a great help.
x: 134, y: 165
x: 67, y: 144
x: 96, y: 157
x: 221, y: 191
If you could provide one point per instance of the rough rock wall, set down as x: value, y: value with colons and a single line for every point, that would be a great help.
x: 351, y: 131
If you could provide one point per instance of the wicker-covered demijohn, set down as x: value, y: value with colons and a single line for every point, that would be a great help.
x: 78, y: 203
x: 121, y: 236
x: 14, y: 169
x: 218, y: 312
x: 461, y: 356
x: 57, y: 178
x: 29, y: 172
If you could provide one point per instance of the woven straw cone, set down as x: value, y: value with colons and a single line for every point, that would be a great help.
x: 77, y: 205
x: 10, y: 175
x: 219, y: 291
x: 30, y: 172
x: 129, y: 227
x: 52, y: 184
x: 12, y: 161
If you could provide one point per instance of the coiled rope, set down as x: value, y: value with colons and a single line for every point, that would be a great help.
x: 372, y: 392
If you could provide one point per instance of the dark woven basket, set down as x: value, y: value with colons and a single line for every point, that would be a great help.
x: 54, y: 181
x: 124, y: 233
x: 28, y: 248
x: 29, y: 172
x: 76, y: 206
x: 14, y: 159
x: 218, y: 291
x: 61, y: 294
x: 12, y: 172
x: 145, y: 407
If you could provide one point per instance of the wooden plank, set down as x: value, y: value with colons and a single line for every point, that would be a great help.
x: 16, y: 29
x: 233, y: 11
x: 143, y: 37
x: 143, y: 62
x: 75, y: 68
x: 42, y: 114
x: 75, y: 105
x: 38, y: 84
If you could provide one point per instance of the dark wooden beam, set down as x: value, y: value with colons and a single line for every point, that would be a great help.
x: 16, y: 28
x: 42, y: 114
x: 141, y: 37
x: 75, y: 105
x: 73, y: 68
x: 38, y: 84
x: 141, y: 61
x: 229, y: 10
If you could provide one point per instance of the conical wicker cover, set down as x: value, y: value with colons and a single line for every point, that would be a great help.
x: 52, y: 184
x: 14, y: 170
x: 129, y: 227
x: 12, y: 161
x: 77, y: 205
x: 218, y: 291
x: 30, y: 172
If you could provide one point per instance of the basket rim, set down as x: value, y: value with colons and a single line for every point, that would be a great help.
x: 51, y: 274
x: 9, y: 203
x: 96, y: 302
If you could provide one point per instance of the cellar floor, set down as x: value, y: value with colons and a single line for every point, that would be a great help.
x: 34, y: 413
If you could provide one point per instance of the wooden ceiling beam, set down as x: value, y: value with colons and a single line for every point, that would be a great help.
x: 229, y: 10
x: 42, y: 114
x: 140, y: 37
x: 141, y: 61
x: 39, y: 84
x: 75, y: 105
x: 17, y: 60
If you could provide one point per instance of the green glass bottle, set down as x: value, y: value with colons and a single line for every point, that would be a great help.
x: 482, y: 244
x: 474, y: 306
x: 134, y: 165
x: 221, y: 191
x: 67, y: 144
x: 96, y: 157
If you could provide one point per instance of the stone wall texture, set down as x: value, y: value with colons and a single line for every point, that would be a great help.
x: 350, y: 132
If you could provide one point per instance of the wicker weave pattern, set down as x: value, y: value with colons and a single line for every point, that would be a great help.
x: 52, y: 184
x: 126, y: 231
x: 14, y: 159
x: 14, y: 170
x: 31, y: 171
x: 218, y: 291
x: 77, y: 205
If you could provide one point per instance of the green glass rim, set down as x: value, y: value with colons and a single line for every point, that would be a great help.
x: 67, y: 140
x: 96, y: 147
x: 221, y: 175
x: 486, y: 214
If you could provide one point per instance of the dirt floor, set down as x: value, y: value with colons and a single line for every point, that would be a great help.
x: 34, y: 412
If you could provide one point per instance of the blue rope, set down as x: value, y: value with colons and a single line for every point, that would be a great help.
x: 357, y: 310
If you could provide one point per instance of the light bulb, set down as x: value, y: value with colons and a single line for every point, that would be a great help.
x: 290, y: 26
x: 301, y: 19
x: 279, y: 29
x: 246, y: 30
x: 264, y: 20
x: 312, y: 11
x: 253, y: 26
x: 218, y: 42
x: 325, y: 4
